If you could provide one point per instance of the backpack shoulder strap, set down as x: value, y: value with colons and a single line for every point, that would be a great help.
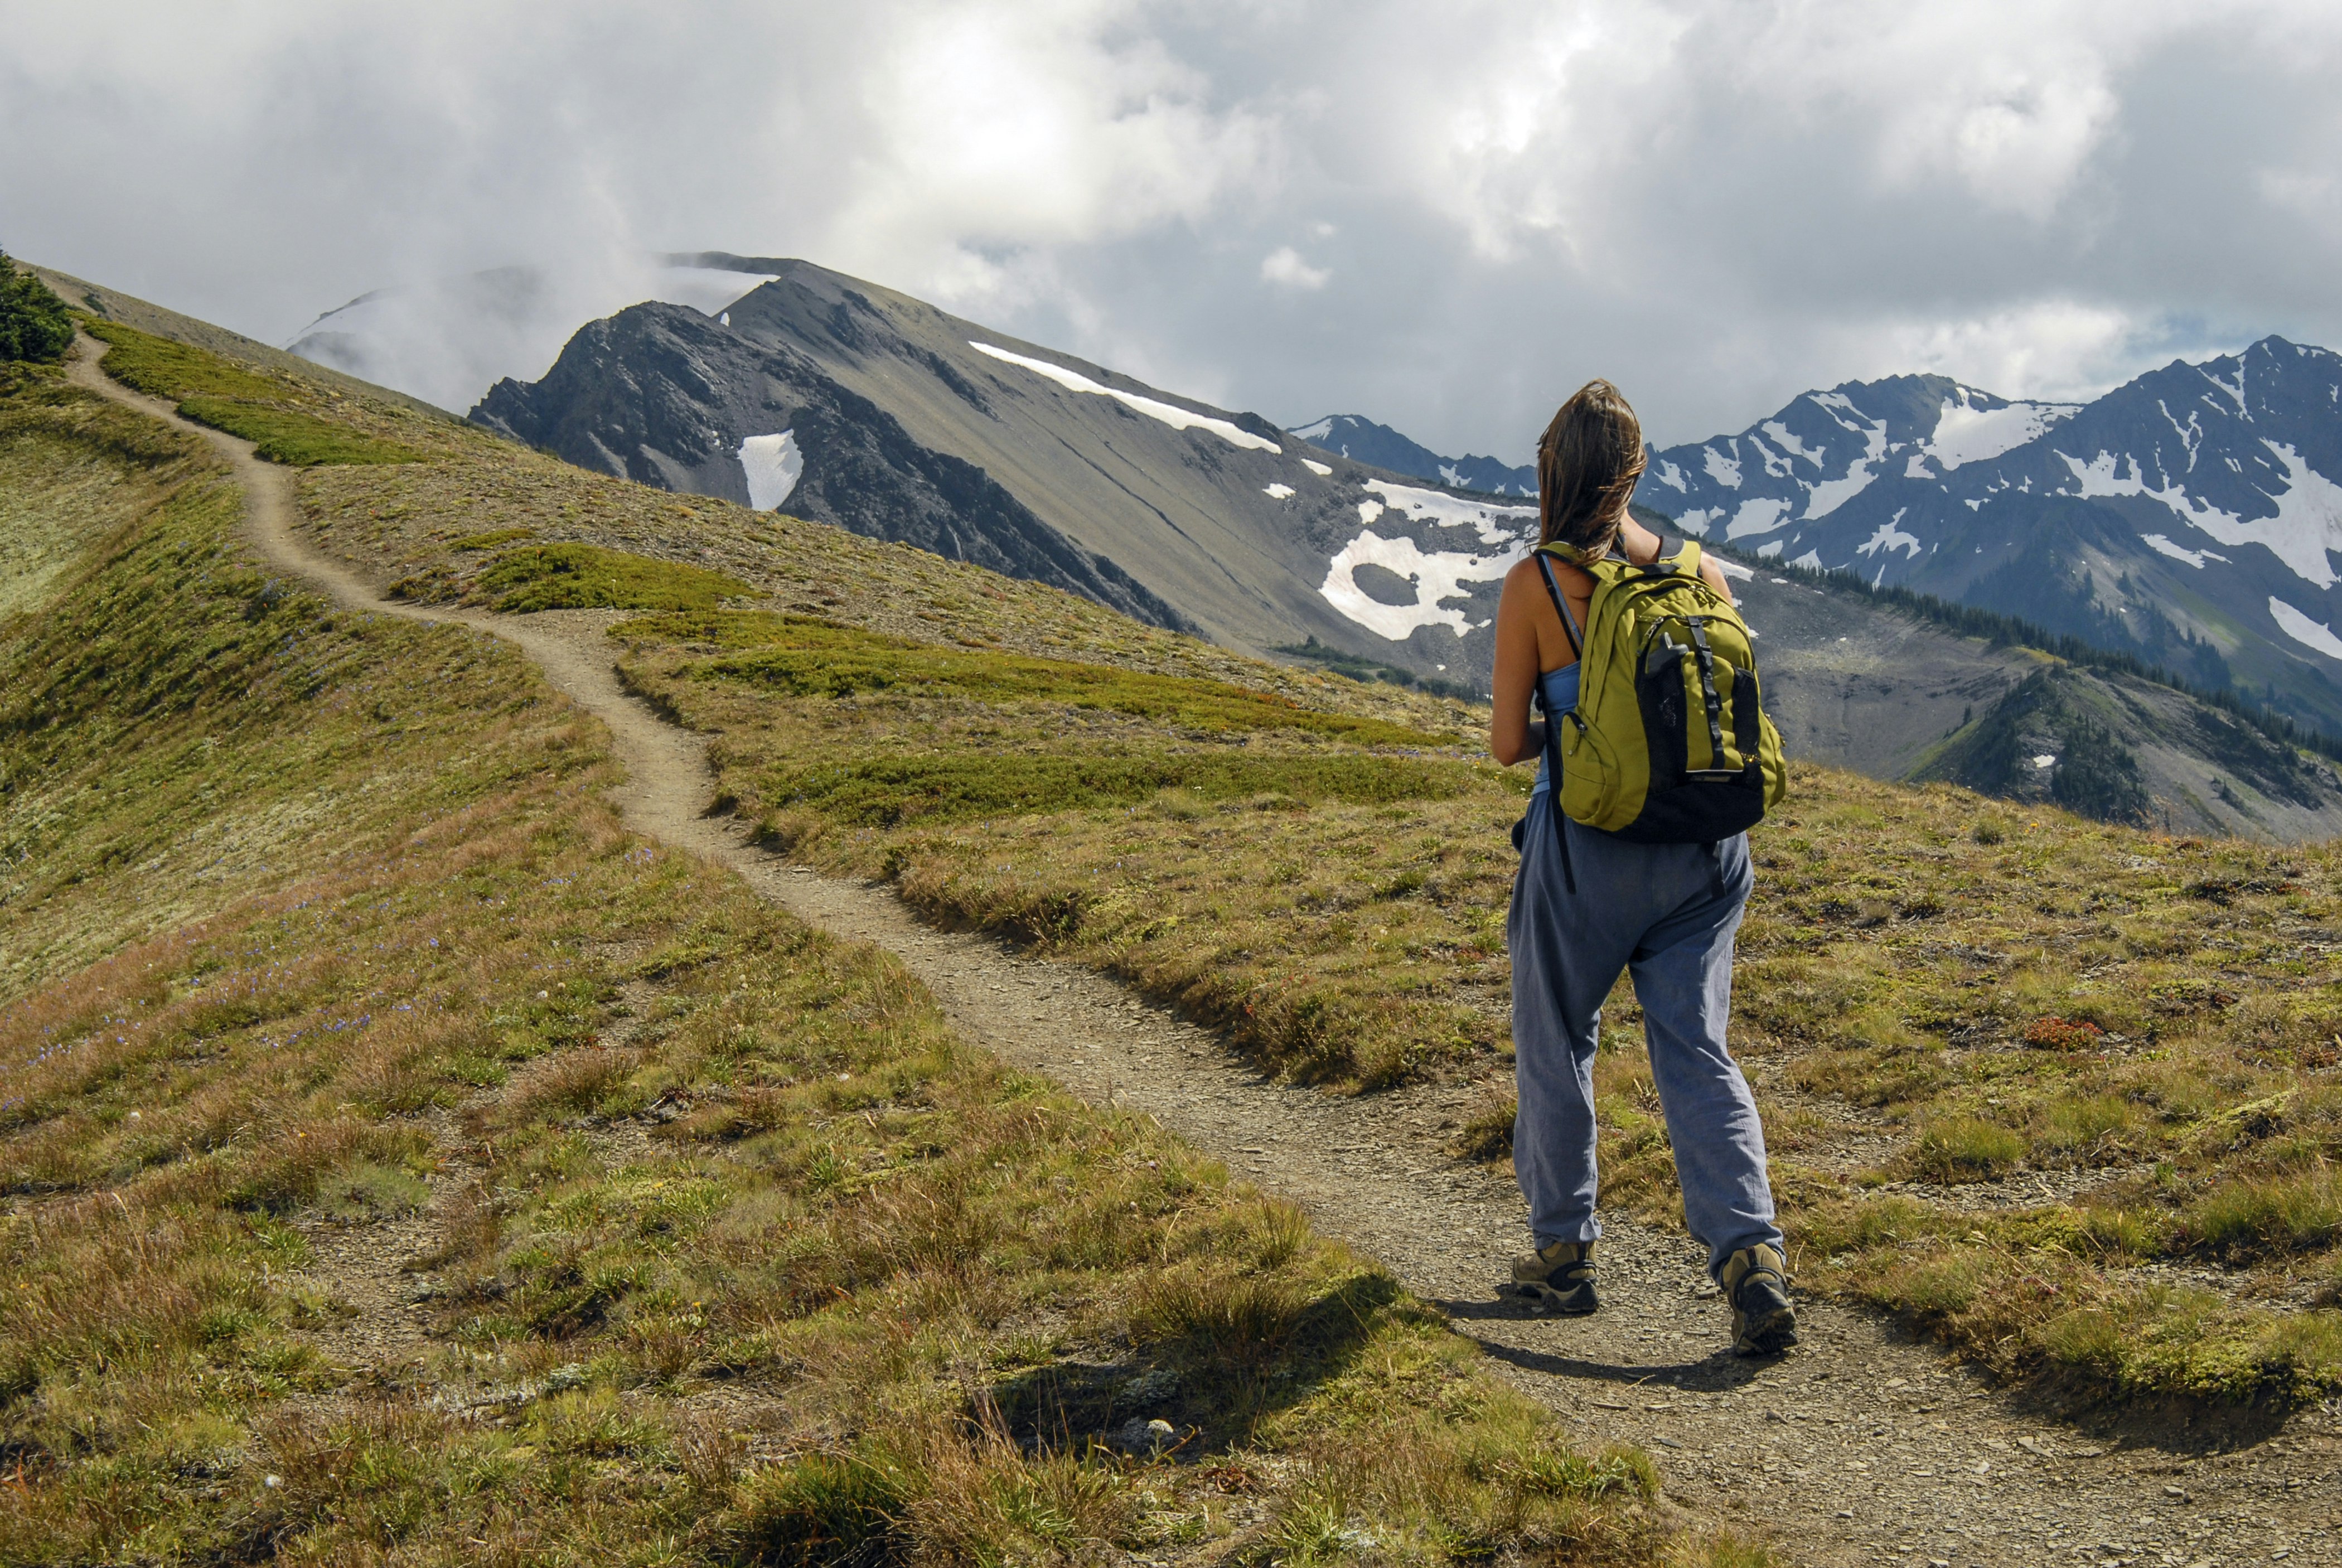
x: 1568, y: 621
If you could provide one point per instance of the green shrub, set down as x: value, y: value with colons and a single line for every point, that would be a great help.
x: 370, y: 1191
x: 161, y: 368
x: 1964, y: 1149
x: 2286, y: 1214
x: 891, y: 790
x: 800, y: 657
x: 822, y: 1508
x: 33, y: 324
x: 210, y: 391
x: 295, y: 440
x: 588, y: 577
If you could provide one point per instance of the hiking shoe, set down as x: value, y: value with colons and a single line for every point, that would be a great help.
x: 1756, y: 1282
x: 1558, y: 1278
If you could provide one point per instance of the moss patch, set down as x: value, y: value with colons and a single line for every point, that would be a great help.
x: 295, y: 439
x: 588, y: 577
x: 804, y: 657
x: 258, y: 408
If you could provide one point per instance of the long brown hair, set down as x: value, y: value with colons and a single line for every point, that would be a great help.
x: 1587, y: 462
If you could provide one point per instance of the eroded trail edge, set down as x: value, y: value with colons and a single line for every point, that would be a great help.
x: 1861, y: 1447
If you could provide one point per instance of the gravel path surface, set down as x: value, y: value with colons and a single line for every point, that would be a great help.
x: 1858, y: 1447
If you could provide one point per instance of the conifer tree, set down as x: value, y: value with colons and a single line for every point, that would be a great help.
x: 32, y: 320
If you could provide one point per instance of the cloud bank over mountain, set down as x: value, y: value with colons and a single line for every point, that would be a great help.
x: 1446, y: 220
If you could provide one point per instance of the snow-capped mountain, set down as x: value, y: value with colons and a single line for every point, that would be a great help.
x: 1358, y: 437
x: 2189, y: 516
x: 1827, y: 447
x: 854, y: 404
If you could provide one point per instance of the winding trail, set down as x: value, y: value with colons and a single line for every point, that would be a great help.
x: 1860, y: 1447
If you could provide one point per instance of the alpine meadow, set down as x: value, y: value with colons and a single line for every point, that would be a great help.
x: 410, y: 1156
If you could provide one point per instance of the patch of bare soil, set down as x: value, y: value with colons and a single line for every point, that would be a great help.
x: 1858, y: 1447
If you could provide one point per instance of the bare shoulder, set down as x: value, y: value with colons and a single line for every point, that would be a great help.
x: 1524, y: 572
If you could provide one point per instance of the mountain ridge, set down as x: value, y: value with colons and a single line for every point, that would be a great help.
x: 1238, y: 529
x: 884, y: 414
x: 2186, y: 515
x: 1354, y: 435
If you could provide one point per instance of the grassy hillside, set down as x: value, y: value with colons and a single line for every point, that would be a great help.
x: 2062, y: 1093
x: 401, y: 1161
x: 2065, y: 1093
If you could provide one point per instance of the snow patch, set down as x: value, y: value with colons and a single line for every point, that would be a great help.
x: 2315, y: 635
x: 1668, y: 475
x: 1318, y: 432
x: 1964, y: 435
x: 1178, y: 418
x: 2045, y: 760
x: 2307, y: 524
x: 1812, y: 562
x: 1787, y: 440
x: 1436, y: 575
x: 1696, y: 520
x: 1493, y: 524
x: 1725, y: 471
x: 1277, y: 492
x: 1830, y: 494
x: 1323, y: 470
x: 1775, y: 465
x: 773, y: 466
x: 1734, y: 569
x: 1890, y: 537
x: 2196, y: 558
x: 2191, y: 435
x: 1757, y: 515
x: 2236, y: 392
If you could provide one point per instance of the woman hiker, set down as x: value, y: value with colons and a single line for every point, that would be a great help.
x: 1665, y: 912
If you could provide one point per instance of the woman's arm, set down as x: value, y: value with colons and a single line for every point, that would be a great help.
x: 1512, y: 737
x: 1711, y: 572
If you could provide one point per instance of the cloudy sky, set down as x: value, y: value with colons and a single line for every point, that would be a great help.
x: 1443, y: 217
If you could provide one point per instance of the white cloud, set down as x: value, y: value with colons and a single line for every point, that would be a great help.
x: 2050, y: 349
x: 1031, y: 123
x: 1717, y: 203
x: 1285, y: 266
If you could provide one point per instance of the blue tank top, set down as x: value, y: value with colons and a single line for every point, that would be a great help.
x: 1560, y: 688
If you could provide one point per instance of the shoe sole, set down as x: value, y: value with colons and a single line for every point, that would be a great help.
x: 1550, y: 1302
x: 1770, y: 1335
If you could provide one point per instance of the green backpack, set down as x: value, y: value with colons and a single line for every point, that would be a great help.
x: 1668, y: 742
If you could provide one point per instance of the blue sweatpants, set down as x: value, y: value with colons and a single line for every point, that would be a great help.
x: 1668, y: 914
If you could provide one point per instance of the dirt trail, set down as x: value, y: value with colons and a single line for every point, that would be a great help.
x: 1860, y: 1447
